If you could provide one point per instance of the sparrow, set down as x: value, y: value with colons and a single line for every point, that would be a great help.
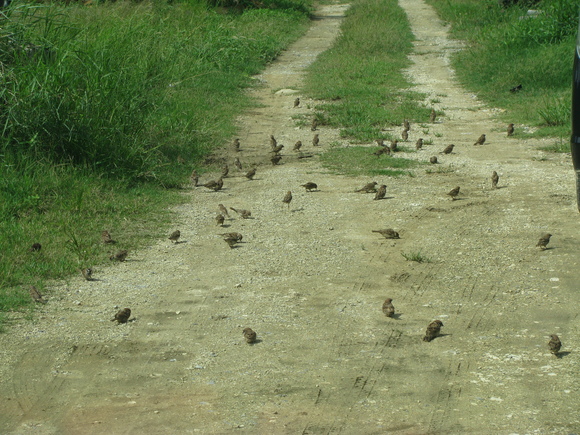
x: 315, y: 140
x: 314, y: 125
x: 394, y: 144
x: 388, y: 233
x: 368, y: 188
x: 231, y: 242
x: 406, y: 125
x: 215, y: 185
x: 119, y: 256
x: 225, y: 171
x: 419, y: 143
x: 433, y: 160
x: 297, y: 102
x: 287, y: 199
x: 297, y: 146
x: 448, y: 149
x: 544, y: 240
x: 234, y: 236
x: 433, y: 330
x: 273, y: 141
x: 219, y: 218
x: 174, y: 236
x: 554, y: 344
x: 481, y: 140
x: 494, y: 179
x: 35, y: 294
x: 106, y: 238
x: 250, y: 174
x: 380, y: 142
x: 388, y: 308
x: 404, y: 135
x: 237, y: 163
x: 516, y: 89
x: 87, y: 273
x: 122, y: 316
x: 275, y: 159
x: 310, y: 186
x: 277, y: 149
x: 194, y: 178
x: 236, y: 144
x: 381, y: 192
x: 510, y: 130
x: 433, y: 115
x: 453, y: 193
x: 35, y: 247
x: 223, y: 210
x: 245, y: 214
x: 381, y: 151
x: 249, y: 335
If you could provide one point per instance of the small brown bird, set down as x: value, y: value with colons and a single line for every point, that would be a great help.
x: 448, y: 149
x: 277, y: 149
x: 404, y: 135
x: 433, y: 160
x: 275, y: 159
x: 297, y: 146
x: 494, y: 179
x: 223, y: 210
x: 225, y: 171
x: 380, y: 142
x: 287, y: 199
x: 245, y: 214
x: 119, y: 256
x: 35, y: 247
x: 273, y: 141
x: 194, y: 178
x: 310, y: 186
x: 35, y: 294
x: 220, y: 219
x: 453, y: 193
x: 315, y: 140
x: 381, y: 151
x: 236, y: 144
x: 481, y: 140
x: 516, y: 89
x: 314, y: 125
x: 388, y: 233
x: 388, y: 308
x: 554, y: 344
x: 297, y: 102
x: 394, y: 144
x: 406, y: 125
x: 381, y: 192
x: 510, y: 130
x: 250, y: 174
x: 235, y: 236
x: 433, y: 115
x: 87, y: 273
x: 433, y: 330
x: 249, y: 336
x: 214, y: 184
x: 122, y: 316
x: 543, y: 242
x: 237, y: 163
x: 231, y: 242
x: 419, y: 143
x: 107, y: 239
x: 368, y: 188
x: 174, y: 236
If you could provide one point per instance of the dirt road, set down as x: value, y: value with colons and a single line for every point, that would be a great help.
x: 310, y: 279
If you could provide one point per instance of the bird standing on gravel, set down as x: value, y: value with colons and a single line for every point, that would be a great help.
x: 433, y: 160
x: 287, y: 199
x: 277, y: 149
x: 225, y: 171
x: 194, y: 178
x: 249, y: 335
x: 297, y: 102
x: 494, y: 180
x: 388, y: 233
x: 433, y: 115
x: 381, y: 192
x: 404, y: 135
x: 481, y: 140
x: 433, y: 330
x: 107, y: 239
x: 87, y: 273
x: 275, y: 159
x: 214, y: 184
x: 314, y: 125
x: 368, y: 188
x: 310, y: 186
x: 236, y: 236
x: 245, y: 214
x: 297, y: 146
x: 388, y: 308
x: 237, y: 163
x: 543, y: 242
x: 35, y: 295
x: 250, y: 174
x: 419, y: 143
x: 406, y: 125
x: 220, y: 219
x: 448, y: 149
x: 119, y: 256
x: 315, y: 140
x: 453, y: 193
x: 273, y: 141
x: 554, y: 344
x: 236, y: 144
x: 174, y: 236
x: 510, y: 130
x: 223, y: 210
x: 122, y: 316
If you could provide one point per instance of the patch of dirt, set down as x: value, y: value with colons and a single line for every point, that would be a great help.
x: 310, y: 279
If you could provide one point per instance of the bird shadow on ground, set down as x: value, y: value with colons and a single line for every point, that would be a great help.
x: 297, y: 209
x: 562, y: 354
x: 386, y: 197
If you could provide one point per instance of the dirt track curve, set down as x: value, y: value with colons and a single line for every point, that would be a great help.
x: 310, y: 279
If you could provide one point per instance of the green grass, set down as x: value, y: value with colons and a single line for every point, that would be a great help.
x: 416, y: 256
x: 358, y: 160
x: 504, y: 51
x: 359, y: 80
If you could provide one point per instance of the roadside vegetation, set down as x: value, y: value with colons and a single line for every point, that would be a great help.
x: 105, y: 111
x: 508, y: 47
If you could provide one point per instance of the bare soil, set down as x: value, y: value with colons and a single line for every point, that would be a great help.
x: 310, y: 279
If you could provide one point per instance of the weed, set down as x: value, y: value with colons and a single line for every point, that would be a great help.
x: 416, y: 256
x: 360, y: 160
